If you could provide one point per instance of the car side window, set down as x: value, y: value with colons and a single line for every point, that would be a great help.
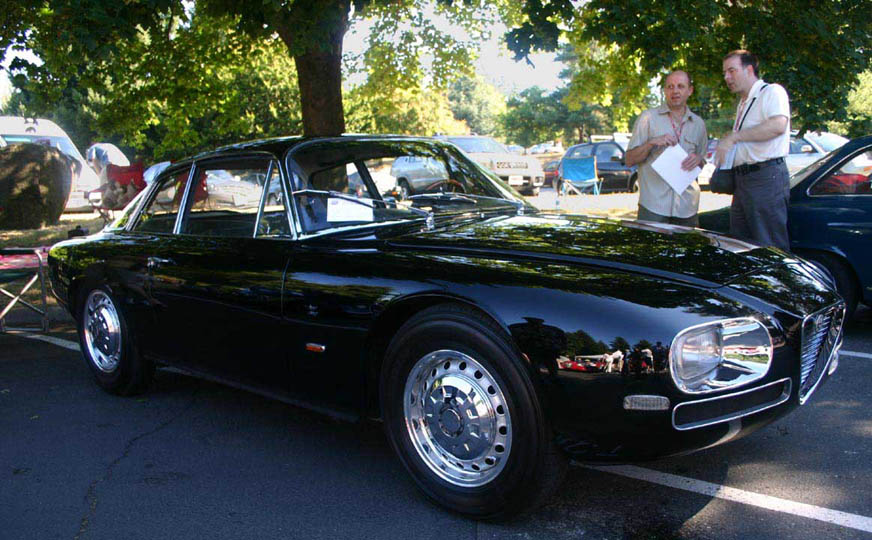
x: 605, y: 152
x: 852, y: 178
x: 159, y: 215
x: 225, y: 198
x: 274, y: 220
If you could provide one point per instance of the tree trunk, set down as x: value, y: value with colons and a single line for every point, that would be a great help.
x: 318, y: 58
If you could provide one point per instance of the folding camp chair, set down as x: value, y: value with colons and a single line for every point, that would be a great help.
x: 579, y: 174
x: 18, y: 265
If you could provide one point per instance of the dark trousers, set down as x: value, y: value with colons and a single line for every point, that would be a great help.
x: 647, y: 215
x: 759, y: 210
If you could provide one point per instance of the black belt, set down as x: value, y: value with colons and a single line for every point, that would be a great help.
x: 751, y: 167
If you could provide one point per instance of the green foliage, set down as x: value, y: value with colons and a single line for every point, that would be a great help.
x: 859, y: 110
x: 533, y: 117
x: 195, y: 84
x: 478, y: 103
x: 814, y: 49
x: 413, y: 111
x: 34, y: 186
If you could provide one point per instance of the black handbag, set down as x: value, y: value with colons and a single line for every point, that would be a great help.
x: 723, y: 181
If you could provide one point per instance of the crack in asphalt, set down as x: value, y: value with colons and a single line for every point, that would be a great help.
x: 91, y: 495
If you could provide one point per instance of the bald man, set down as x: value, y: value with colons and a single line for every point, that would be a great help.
x: 669, y: 124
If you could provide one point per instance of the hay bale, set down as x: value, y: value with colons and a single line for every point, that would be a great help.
x: 35, y: 183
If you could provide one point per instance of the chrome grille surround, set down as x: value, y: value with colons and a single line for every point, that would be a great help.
x: 821, y: 339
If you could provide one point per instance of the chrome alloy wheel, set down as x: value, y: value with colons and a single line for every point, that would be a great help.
x: 457, y: 418
x: 102, y: 329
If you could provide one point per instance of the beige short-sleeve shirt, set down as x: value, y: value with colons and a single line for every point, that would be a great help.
x: 654, y: 193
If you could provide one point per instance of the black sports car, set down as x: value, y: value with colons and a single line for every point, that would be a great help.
x: 459, y: 316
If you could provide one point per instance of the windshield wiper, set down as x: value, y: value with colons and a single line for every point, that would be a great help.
x: 519, y: 205
x: 443, y: 196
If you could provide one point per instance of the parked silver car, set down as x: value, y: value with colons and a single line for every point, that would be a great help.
x: 523, y: 173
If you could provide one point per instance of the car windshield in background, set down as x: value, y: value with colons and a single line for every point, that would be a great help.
x: 64, y: 145
x: 827, y: 141
x: 478, y: 145
x: 373, y: 183
x: 803, y: 173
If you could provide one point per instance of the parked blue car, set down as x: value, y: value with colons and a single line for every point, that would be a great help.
x: 830, y: 218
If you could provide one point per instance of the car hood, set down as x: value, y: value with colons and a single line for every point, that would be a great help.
x: 679, y: 253
x: 509, y: 163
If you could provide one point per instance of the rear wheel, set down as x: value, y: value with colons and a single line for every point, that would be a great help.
x: 462, y: 414
x: 109, y: 347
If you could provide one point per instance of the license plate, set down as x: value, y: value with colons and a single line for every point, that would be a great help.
x: 516, y: 180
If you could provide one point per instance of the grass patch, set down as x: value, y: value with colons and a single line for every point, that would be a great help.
x: 50, y: 235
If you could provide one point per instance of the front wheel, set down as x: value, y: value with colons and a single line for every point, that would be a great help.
x: 109, y: 346
x: 843, y: 276
x: 461, y: 412
x: 634, y: 184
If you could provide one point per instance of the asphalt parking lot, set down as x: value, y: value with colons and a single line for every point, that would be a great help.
x: 192, y: 459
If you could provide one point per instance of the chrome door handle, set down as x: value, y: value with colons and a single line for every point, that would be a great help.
x: 154, y: 262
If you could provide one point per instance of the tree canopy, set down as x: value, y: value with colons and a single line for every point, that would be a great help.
x: 816, y: 50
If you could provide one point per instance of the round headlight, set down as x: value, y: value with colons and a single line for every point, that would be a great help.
x: 720, y: 355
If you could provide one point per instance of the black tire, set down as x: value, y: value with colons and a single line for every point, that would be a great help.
x: 108, y: 345
x: 634, y: 184
x: 846, y: 281
x: 518, y: 480
x: 404, y: 190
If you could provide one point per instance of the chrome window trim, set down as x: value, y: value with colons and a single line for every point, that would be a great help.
x: 263, y: 196
x: 785, y: 395
x: 830, y: 170
x: 761, y: 375
x: 153, y: 189
x: 200, y: 164
x: 837, y: 344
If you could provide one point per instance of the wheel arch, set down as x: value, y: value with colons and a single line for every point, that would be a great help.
x: 390, y: 321
x: 841, y: 258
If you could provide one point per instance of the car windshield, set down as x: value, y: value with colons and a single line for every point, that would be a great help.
x: 374, y: 183
x: 478, y: 145
x: 802, y: 174
x: 827, y: 141
x: 61, y: 143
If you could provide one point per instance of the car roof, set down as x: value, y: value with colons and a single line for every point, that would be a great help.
x: 19, y: 125
x: 279, y: 145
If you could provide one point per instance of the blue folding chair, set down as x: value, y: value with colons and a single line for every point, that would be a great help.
x: 579, y: 175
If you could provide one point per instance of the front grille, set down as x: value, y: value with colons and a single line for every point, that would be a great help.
x: 821, y: 333
x: 705, y: 412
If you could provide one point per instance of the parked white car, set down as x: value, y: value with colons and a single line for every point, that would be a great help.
x: 523, y: 173
x: 18, y: 130
x: 811, y: 147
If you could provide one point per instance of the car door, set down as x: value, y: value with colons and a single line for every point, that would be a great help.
x: 610, y: 167
x: 217, y: 289
x: 834, y: 214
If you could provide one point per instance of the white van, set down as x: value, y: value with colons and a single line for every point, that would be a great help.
x: 17, y: 130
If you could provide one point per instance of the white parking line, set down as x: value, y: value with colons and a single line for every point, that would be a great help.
x: 856, y: 354
x: 708, y: 489
x: 65, y: 343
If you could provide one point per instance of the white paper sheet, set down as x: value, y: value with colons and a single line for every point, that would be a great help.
x: 729, y: 158
x: 668, y: 166
x: 345, y: 210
